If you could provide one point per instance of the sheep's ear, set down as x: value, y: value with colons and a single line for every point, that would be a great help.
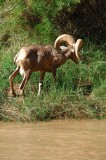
x: 63, y: 47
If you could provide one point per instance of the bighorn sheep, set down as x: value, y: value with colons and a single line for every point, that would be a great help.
x: 45, y: 58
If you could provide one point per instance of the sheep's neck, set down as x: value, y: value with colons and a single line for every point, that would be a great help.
x: 61, y: 59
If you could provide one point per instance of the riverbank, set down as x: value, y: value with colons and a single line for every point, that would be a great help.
x: 52, y: 105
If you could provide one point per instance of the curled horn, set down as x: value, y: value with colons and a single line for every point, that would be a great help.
x: 63, y: 38
x: 77, y: 47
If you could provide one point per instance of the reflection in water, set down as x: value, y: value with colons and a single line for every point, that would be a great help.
x: 56, y: 140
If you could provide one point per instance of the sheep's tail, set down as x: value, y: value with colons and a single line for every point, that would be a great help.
x: 15, y: 58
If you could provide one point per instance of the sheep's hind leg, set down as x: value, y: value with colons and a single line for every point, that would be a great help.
x: 25, y: 80
x: 11, y: 78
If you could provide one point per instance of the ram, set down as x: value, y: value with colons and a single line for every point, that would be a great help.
x: 45, y: 58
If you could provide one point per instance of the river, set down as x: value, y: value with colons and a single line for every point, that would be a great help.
x: 55, y: 140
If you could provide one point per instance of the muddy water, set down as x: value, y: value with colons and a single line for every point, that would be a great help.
x: 56, y: 140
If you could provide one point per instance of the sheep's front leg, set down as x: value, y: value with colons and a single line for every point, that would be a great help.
x: 42, y: 74
x: 11, y: 78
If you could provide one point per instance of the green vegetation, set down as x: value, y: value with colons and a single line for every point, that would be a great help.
x: 81, y: 92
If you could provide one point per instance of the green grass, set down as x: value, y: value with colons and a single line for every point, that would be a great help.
x: 26, y: 23
x: 65, y: 99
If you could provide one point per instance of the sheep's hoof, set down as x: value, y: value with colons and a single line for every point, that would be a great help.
x: 14, y: 94
x: 20, y: 92
x: 38, y: 94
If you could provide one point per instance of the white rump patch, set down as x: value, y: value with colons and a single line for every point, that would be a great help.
x: 21, y: 55
x: 21, y: 71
